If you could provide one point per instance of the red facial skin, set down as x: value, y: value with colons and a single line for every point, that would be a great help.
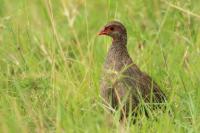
x: 105, y: 31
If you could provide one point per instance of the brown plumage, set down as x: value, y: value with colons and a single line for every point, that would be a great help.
x: 123, y: 84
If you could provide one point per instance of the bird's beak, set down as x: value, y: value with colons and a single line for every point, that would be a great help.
x: 103, y: 32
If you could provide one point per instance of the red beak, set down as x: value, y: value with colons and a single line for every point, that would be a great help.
x: 103, y: 32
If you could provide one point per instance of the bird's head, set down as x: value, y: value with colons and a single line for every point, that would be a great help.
x: 114, y: 29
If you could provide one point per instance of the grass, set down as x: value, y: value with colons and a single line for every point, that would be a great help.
x: 51, y: 61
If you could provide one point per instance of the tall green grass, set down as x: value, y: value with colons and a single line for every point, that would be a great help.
x: 51, y: 61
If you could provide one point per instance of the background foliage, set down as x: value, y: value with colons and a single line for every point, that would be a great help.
x: 51, y: 61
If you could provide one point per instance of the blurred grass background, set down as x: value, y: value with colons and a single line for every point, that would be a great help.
x: 51, y: 61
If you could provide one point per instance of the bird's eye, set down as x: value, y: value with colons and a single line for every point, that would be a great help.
x: 111, y: 28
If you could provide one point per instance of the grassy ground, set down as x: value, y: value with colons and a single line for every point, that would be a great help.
x: 51, y: 61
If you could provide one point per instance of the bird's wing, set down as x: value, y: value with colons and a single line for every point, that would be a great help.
x: 148, y: 83
x: 145, y: 84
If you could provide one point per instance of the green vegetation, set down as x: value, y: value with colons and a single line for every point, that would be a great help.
x: 51, y: 61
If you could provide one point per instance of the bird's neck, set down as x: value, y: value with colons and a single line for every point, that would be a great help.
x: 117, y: 47
x: 122, y: 40
x: 119, y: 44
x: 117, y: 51
x: 117, y: 55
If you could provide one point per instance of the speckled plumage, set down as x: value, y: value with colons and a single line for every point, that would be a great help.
x: 122, y: 81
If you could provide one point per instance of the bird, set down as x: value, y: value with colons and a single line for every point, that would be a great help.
x: 123, y: 85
